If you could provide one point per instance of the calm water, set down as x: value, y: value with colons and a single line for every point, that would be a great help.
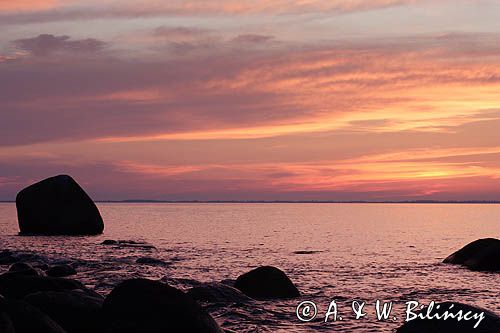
x: 357, y: 251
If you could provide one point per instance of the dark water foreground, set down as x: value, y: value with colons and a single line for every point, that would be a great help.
x: 331, y: 252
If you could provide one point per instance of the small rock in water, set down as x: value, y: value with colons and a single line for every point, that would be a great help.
x: 109, y: 242
x: 480, y: 255
x: 141, y: 305
x: 57, y: 206
x: 306, y: 252
x: 266, y: 282
x: 61, y: 271
x: 128, y: 243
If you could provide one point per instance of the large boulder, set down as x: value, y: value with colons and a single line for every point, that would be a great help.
x: 20, y: 317
x: 19, y: 286
x: 266, y: 282
x: 480, y: 255
x: 141, y: 305
x: 57, y: 206
x: 490, y: 323
x: 76, y: 311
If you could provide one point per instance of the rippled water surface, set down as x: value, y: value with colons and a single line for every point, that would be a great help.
x: 336, y: 252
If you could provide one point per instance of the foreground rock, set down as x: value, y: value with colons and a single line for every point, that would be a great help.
x: 141, y: 305
x: 218, y: 293
x: 57, y: 206
x: 266, y: 282
x: 480, y: 255
x: 76, y: 311
x: 21, y: 268
x: 490, y: 323
x: 20, y: 317
x: 19, y: 286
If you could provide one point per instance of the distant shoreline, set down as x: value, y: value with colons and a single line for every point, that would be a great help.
x: 293, y: 201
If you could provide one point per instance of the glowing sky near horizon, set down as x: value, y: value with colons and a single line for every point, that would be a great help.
x: 253, y: 100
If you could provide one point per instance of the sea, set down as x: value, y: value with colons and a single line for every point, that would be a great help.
x: 336, y: 254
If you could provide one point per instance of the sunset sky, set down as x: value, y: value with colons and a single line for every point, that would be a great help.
x: 252, y: 100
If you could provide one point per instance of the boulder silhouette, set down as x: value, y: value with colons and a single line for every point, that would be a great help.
x: 57, y: 206
x: 490, y: 323
x: 19, y: 286
x: 266, y: 282
x: 480, y: 255
x: 20, y: 317
x: 141, y: 305
x: 76, y: 311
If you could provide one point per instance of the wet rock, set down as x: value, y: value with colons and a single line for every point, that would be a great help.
x: 150, y: 261
x: 18, y: 286
x: 218, y: 293
x: 8, y: 257
x: 266, y: 282
x: 141, y: 305
x: 57, y: 206
x: 128, y: 244
x: 61, y: 271
x: 76, y: 311
x: 480, y: 255
x: 21, y: 317
x: 490, y: 324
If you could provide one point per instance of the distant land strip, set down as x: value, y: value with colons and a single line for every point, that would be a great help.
x: 297, y: 201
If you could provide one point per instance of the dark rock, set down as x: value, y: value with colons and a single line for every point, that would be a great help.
x: 76, y: 311
x: 8, y: 257
x: 266, y: 282
x: 18, y: 286
x: 21, y: 268
x: 141, y: 305
x: 25, y: 318
x: 128, y: 244
x: 57, y: 206
x: 109, y: 242
x: 218, y: 293
x: 150, y: 261
x: 61, y: 271
x: 490, y: 324
x: 480, y: 255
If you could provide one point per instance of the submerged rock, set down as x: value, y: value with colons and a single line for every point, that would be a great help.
x: 218, y: 293
x: 74, y: 310
x: 141, y: 305
x: 490, y: 323
x: 61, y: 271
x: 57, y: 206
x: 266, y: 282
x: 18, y: 286
x: 150, y: 261
x: 480, y: 255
